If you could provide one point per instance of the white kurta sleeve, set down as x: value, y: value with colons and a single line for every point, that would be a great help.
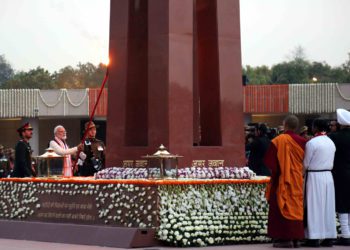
x: 62, y: 151
x: 309, y: 152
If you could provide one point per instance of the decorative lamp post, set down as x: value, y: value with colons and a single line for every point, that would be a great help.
x: 168, y: 163
x: 50, y: 164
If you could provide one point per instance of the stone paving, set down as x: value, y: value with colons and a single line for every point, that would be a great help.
x: 7, y: 244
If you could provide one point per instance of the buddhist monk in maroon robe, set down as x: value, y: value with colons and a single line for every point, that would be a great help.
x: 285, y: 193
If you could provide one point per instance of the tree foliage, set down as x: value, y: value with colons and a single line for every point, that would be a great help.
x: 290, y: 72
x: 258, y: 75
x: 295, y: 69
x: 36, y: 78
x: 346, y: 65
x: 6, y: 71
x: 83, y: 76
x: 65, y: 78
x: 298, y: 69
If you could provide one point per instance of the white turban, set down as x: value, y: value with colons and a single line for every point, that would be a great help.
x: 343, y: 117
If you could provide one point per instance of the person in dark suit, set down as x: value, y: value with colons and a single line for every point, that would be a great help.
x: 341, y: 174
x: 334, y: 126
x: 258, y: 148
x: 23, y: 153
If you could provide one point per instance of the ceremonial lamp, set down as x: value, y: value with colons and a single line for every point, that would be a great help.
x: 49, y: 171
x: 165, y: 160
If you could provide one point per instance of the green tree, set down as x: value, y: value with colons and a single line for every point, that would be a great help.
x: 6, y: 71
x: 99, y: 75
x: 346, y: 69
x: 297, y: 54
x: 84, y: 75
x: 258, y: 75
x: 89, y: 75
x: 296, y: 70
x: 38, y: 78
x: 66, y: 78
x: 339, y: 75
x: 290, y: 72
x: 346, y: 65
x: 321, y: 71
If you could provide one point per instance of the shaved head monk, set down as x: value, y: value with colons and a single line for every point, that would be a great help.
x: 285, y: 192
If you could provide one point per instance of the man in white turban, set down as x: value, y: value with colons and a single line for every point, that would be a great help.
x: 341, y: 174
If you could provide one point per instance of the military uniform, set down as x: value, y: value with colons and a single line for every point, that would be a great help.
x: 94, y: 159
x: 23, y: 160
x: 341, y: 175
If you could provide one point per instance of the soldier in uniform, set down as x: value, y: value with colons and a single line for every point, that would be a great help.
x: 92, y: 159
x: 23, y: 153
x: 341, y: 175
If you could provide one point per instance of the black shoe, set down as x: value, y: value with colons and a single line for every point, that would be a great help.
x: 283, y: 244
x: 343, y: 241
x: 311, y: 243
x: 296, y: 243
x: 327, y: 243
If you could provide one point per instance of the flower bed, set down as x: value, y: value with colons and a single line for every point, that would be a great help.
x: 216, y: 173
x: 204, y: 215
x: 185, y: 212
x: 78, y: 201
x: 183, y: 173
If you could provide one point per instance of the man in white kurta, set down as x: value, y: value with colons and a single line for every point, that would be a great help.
x: 319, y: 186
x: 59, y: 145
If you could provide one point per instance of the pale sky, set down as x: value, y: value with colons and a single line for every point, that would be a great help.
x: 56, y: 33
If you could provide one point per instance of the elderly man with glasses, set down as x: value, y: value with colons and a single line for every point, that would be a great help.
x: 59, y: 145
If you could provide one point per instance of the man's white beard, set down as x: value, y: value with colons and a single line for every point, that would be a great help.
x: 64, y: 137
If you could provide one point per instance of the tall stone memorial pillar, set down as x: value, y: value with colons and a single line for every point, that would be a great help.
x: 175, y: 79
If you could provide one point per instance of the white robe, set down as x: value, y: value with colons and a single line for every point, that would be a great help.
x: 320, y: 196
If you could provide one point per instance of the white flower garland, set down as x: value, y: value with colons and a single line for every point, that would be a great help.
x: 65, y: 96
x: 341, y: 94
x: 80, y: 102
x: 56, y: 103
x: 25, y: 102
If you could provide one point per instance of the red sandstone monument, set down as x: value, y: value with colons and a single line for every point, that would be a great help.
x: 175, y: 79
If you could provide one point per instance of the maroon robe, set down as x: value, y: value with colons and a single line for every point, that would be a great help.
x: 278, y: 226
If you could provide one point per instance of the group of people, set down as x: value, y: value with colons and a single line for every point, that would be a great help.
x: 7, y: 161
x: 89, y: 155
x: 310, y: 183
x: 259, y: 136
x: 310, y: 178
